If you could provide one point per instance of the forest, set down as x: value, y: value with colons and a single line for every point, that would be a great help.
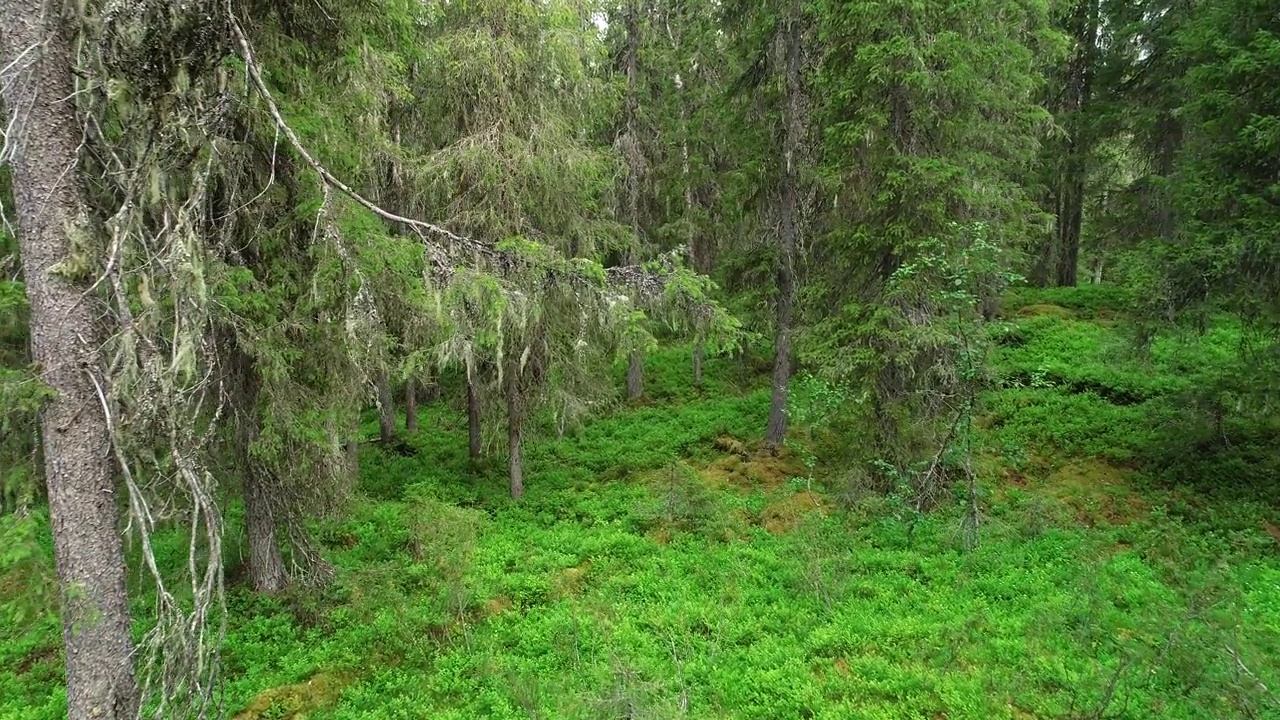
x: 760, y: 359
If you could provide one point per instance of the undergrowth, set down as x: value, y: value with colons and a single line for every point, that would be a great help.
x: 661, y: 567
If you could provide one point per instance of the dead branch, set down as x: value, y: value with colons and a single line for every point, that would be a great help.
x: 1235, y: 657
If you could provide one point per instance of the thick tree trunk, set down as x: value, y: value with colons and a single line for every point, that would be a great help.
x: 411, y: 406
x: 353, y: 459
x: 51, y: 215
x: 473, y: 421
x: 788, y: 234
x: 266, y: 564
x: 386, y: 410
x: 515, y: 434
x: 1070, y: 220
x: 635, y: 376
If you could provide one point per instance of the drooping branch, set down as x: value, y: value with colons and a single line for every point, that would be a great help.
x: 423, y: 228
x: 668, y: 289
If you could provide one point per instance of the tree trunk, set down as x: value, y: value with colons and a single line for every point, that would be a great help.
x: 432, y: 391
x: 1069, y: 221
x: 696, y: 253
x: 632, y: 103
x: 635, y: 376
x: 411, y: 406
x: 51, y: 211
x: 266, y: 565
x: 515, y: 421
x: 635, y: 363
x: 776, y: 430
x: 353, y: 459
x: 1040, y: 272
x: 1168, y: 143
x: 1079, y: 98
x: 698, y: 352
x: 473, y: 420
x: 386, y: 410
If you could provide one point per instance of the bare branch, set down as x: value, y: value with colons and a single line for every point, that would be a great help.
x: 1235, y: 656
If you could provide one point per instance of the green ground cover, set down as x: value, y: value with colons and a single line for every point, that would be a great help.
x: 660, y: 567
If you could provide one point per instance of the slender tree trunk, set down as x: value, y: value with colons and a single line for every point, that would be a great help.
x: 1168, y: 143
x: 51, y: 211
x: 632, y: 104
x: 473, y: 420
x: 386, y: 410
x: 698, y: 352
x: 411, y: 406
x: 635, y: 362
x: 776, y: 430
x: 515, y: 434
x: 696, y: 254
x: 635, y: 376
x: 432, y: 390
x: 1079, y: 98
x: 1041, y: 271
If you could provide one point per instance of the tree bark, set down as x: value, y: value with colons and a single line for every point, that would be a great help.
x: 386, y: 410
x: 635, y: 376
x: 411, y: 406
x: 632, y: 105
x: 266, y: 564
x: 1041, y: 271
x: 353, y: 459
x: 515, y: 434
x: 776, y: 430
x: 473, y: 420
x: 432, y: 390
x: 1079, y: 92
x: 635, y: 363
x: 696, y: 253
x: 698, y: 352
x: 51, y: 211
x: 1070, y: 219
x: 1168, y: 143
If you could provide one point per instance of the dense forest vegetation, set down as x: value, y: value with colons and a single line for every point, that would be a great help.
x: 640, y: 359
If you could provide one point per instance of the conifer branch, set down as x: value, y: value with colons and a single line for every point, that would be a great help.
x: 439, y: 253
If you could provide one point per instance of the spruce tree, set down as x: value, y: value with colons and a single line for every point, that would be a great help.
x: 60, y: 253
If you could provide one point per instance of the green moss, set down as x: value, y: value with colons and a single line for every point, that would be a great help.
x: 297, y: 701
x: 1045, y: 310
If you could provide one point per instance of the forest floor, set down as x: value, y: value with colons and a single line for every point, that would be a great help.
x: 1127, y: 563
